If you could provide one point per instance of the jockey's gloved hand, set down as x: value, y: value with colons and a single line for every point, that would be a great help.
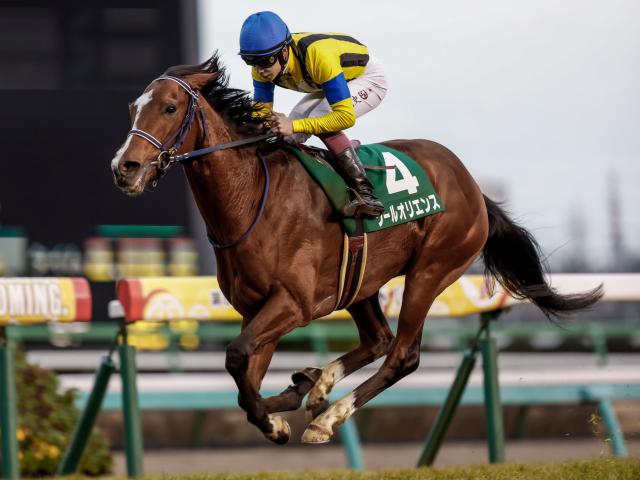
x: 280, y: 124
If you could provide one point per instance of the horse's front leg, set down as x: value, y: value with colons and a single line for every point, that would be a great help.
x: 375, y: 339
x: 290, y: 398
x: 279, y: 315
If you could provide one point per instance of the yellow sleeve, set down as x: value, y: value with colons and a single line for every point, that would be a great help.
x: 325, y: 69
x: 342, y: 116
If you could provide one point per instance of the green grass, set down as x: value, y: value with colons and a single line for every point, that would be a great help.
x: 605, y: 469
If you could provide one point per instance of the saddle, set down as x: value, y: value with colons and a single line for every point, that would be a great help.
x: 399, y: 183
x: 354, y: 245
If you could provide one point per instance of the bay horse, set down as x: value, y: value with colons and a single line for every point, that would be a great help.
x: 278, y: 245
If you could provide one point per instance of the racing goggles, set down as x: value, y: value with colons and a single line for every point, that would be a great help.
x: 264, y: 61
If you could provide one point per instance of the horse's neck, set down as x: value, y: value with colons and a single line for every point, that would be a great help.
x: 226, y: 185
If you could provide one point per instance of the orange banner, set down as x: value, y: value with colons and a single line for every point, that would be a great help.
x: 40, y: 300
x: 174, y: 298
x: 200, y: 298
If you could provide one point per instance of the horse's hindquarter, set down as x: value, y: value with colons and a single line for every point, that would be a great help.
x: 458, y: 232
x: 452, y: 181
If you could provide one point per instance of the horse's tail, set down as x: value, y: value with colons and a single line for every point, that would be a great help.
x: 512, y: 256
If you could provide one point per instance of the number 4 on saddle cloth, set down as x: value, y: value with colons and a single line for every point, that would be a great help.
x: 400, y: 184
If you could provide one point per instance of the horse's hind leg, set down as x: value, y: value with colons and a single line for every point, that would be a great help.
x: 421, y: 288
x: 291, y: 397
x: 375, y: 339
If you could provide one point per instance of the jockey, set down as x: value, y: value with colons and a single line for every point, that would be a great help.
x: 341, y: 81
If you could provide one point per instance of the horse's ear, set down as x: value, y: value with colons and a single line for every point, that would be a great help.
x: 197, y: 81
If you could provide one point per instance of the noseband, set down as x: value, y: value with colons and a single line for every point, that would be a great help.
x: 169, y: 148
x: 168, y: 155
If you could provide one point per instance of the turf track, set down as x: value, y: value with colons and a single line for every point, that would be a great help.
x: 605, y: 469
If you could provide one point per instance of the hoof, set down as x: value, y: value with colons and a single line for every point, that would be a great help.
x: 281, y: 431
x: 316, y: 434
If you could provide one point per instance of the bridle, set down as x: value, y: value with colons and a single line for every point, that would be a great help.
x: 167, y: 149
x: 168, y: 154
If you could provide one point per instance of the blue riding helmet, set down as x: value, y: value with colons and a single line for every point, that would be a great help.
x: 262, y: 34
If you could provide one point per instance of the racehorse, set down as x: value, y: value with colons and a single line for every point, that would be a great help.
x: 278, y: 245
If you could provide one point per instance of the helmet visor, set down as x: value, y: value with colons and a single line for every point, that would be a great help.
x: 264, y: 61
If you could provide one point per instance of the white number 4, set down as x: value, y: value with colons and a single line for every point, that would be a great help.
x: 394, y: 185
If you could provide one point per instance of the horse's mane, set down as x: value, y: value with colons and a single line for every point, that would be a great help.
x: 234, y: 104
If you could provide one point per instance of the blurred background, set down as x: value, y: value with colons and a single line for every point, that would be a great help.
x: 540, y: 100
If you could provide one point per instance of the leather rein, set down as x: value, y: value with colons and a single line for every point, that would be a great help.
x: 168, y: 154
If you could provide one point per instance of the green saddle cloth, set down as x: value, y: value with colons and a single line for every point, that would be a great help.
x: 405, y: 190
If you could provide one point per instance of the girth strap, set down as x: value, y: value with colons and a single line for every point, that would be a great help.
x: 354, y: 261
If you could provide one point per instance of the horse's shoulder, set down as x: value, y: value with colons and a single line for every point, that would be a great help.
x: 286, y: 167
x: 280, y: 158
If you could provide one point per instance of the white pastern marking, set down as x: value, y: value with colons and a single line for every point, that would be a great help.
x: 338, y: 413
x: 331, y: 374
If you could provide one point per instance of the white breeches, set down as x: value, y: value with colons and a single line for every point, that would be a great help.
x: 367, y: 91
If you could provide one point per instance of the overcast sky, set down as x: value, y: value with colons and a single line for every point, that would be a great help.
x: 541, y: 98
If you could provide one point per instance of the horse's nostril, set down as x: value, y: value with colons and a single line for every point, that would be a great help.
x: 129, y: 166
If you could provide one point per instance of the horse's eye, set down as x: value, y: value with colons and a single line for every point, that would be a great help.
x: 170, y: 109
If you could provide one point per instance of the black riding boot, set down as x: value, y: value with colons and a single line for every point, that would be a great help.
x: 365, y: 204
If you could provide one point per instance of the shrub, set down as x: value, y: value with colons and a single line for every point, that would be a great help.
x: 47, y: 418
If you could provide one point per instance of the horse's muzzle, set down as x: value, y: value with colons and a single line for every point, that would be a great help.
x: 128, y: 167
x: 132, y: 177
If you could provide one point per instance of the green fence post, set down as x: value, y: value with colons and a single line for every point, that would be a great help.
x: 439, y: 428
x: 319, y: 342
x: 610, y: 419
x: 8, y: 409
x: 492, y: 404
x: 75, y: 449
x: 351, y: 441
x: 599, y: 340
x: 131, y: 409
x: 521, y: 421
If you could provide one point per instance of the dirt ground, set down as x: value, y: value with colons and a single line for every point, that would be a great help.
x: 376, y: 456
